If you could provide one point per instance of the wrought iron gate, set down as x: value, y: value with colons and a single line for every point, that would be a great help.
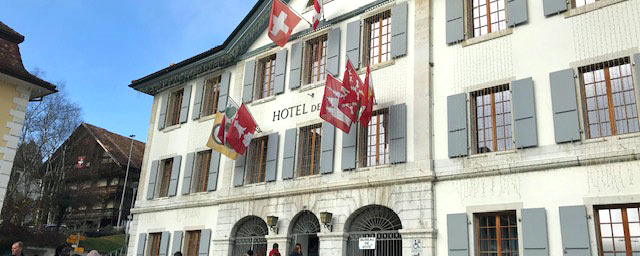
x: 379, y: 222
x: 257, y: 244
x: 388, y: 243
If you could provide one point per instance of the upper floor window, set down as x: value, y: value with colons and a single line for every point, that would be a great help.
x: 609, y: 98
x: 173, y: 109
x: 192, y: 243
x: 165, y: 177
x: 375, y: 147
x: 266, y: 77
x: 256, y: 160
x: 210, y: 94
x: 491, y: 119
x: 315, y: 59
x: 497, y: 234
x: 201, y: 171
x: 309, y: 150
x: 154, y: 244
x: 487, y: 16
x: 619, y: 230
x: 378, y: 38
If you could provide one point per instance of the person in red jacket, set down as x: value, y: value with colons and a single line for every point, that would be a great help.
x: 274, y: 251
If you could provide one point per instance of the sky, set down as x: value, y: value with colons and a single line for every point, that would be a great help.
x: 97, y: 47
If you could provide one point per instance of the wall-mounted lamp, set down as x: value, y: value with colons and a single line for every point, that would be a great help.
x: 325, y: 218
x: 272, y: 222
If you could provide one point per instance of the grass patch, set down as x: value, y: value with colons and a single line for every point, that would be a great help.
x: 103, y: 244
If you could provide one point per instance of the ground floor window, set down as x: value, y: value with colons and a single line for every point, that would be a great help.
x: 192, y: 243
x: 497, y: 234
x: 250, y: 234
x: 619, y: 230
x: 154, y: 244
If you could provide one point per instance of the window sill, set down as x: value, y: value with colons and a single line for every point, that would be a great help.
x: 613, y: 137
x: 496, y: 153
x: 311, y: 86
x: 590, y: 7
x: 487, y: 37
x: 263, y: 100
x: 375, y: 67
x: 253, y: 184
x: 207, y: 118
x: 307, y: 177
x: 171, y: 128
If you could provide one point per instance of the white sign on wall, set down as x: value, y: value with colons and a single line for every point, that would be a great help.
x: 367, y: 243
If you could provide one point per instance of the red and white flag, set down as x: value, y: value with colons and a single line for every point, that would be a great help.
x: 329, y: 111
x: 282, y: 22
x: 367, y: 99
x: 241, y: 131
x: 318, y: 12
x: 352, y: 88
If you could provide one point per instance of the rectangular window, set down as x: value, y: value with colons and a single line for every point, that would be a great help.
x: 201, y: 171
x: 309, y: 150
x: 154, y: 244
x: 256, y: 160
x: 378, y: 32
x: 491, y: 119
x: 266, y: 77
x: 609, y: 98
x: 315, y: 59
x: 210, y: 94
x: 192, y: 243
x: 375, y: 149
x: 497, y: 234
x: 619, y: 230
x: 165, y: 177
x: 173, y: 109
x: 487, y: 16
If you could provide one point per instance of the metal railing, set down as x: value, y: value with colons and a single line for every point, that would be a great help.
x: 119, y: 252
x: 388, y: 243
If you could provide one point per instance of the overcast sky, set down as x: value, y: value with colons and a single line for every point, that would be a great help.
x: 98, y: 47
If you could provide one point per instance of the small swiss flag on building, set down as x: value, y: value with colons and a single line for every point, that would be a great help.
x: 282, y: 22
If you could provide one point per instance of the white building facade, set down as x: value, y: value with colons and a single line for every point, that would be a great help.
x: 541, y: 129
x: 326, y: 188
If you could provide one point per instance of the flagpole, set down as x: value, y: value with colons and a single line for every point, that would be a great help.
x: 297, y: 13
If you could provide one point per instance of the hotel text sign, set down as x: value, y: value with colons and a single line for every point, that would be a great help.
x: 296, y: 110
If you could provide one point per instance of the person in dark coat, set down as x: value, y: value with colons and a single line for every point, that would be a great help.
x: 16, y: 249
x: 297, y: 250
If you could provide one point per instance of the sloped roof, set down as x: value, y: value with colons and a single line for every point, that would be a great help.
x: 118, y: 146
x: 11, y: 61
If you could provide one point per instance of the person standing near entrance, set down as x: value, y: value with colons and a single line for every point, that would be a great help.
x: 297, y: 250
x: 274, y: 251
x: 16, y: 249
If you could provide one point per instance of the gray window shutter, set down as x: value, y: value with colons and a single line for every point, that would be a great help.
x: 205, y: 240
x: 188, y: 170
x: 176, y: 244
x: 326, y: 147
x: 175, y: 173
x: 457, y: 124
x: 636, y: 61
x: 153, y: 175
x: 516, y: 12
x: 289, y: 154
x: 349, y: 148
x: 272, y: 156
x: 573, y: 228
x: 184, y: 109
x: 214, y: 166
x: 563, y: 103
x: 164, y: 243
x: 281, y: 68
x: 142, y: 241
x: 399, y: 30
x: 353, y: 43
x: 223, y: 96
x: 524, y: 113
x: 552, y: 7
x: 295, y: 69
x: 247, y: 85
x: 398, y: 133
x: 455, y: 21
x: 333, y: 51
x: 163, y: 111
x: 238, y: 173
x: 457, y: 234
x: 534, y: 232
x: 197, y: 101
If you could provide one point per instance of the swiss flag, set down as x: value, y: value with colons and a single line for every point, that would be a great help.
x: 367, y: 99
x: 351, y: 87
x: 241, y: 131
x: 329, y: 110
x: 317, y: 13
x: 281, y: 23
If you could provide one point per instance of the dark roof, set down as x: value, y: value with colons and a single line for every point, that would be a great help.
x: 11, y: 61
x: 118, y: 146
x: 202, y: 55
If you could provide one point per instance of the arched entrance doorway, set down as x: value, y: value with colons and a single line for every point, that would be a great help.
x: 250, y: 234
x: 377, y: 222
x: 304, y: 230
